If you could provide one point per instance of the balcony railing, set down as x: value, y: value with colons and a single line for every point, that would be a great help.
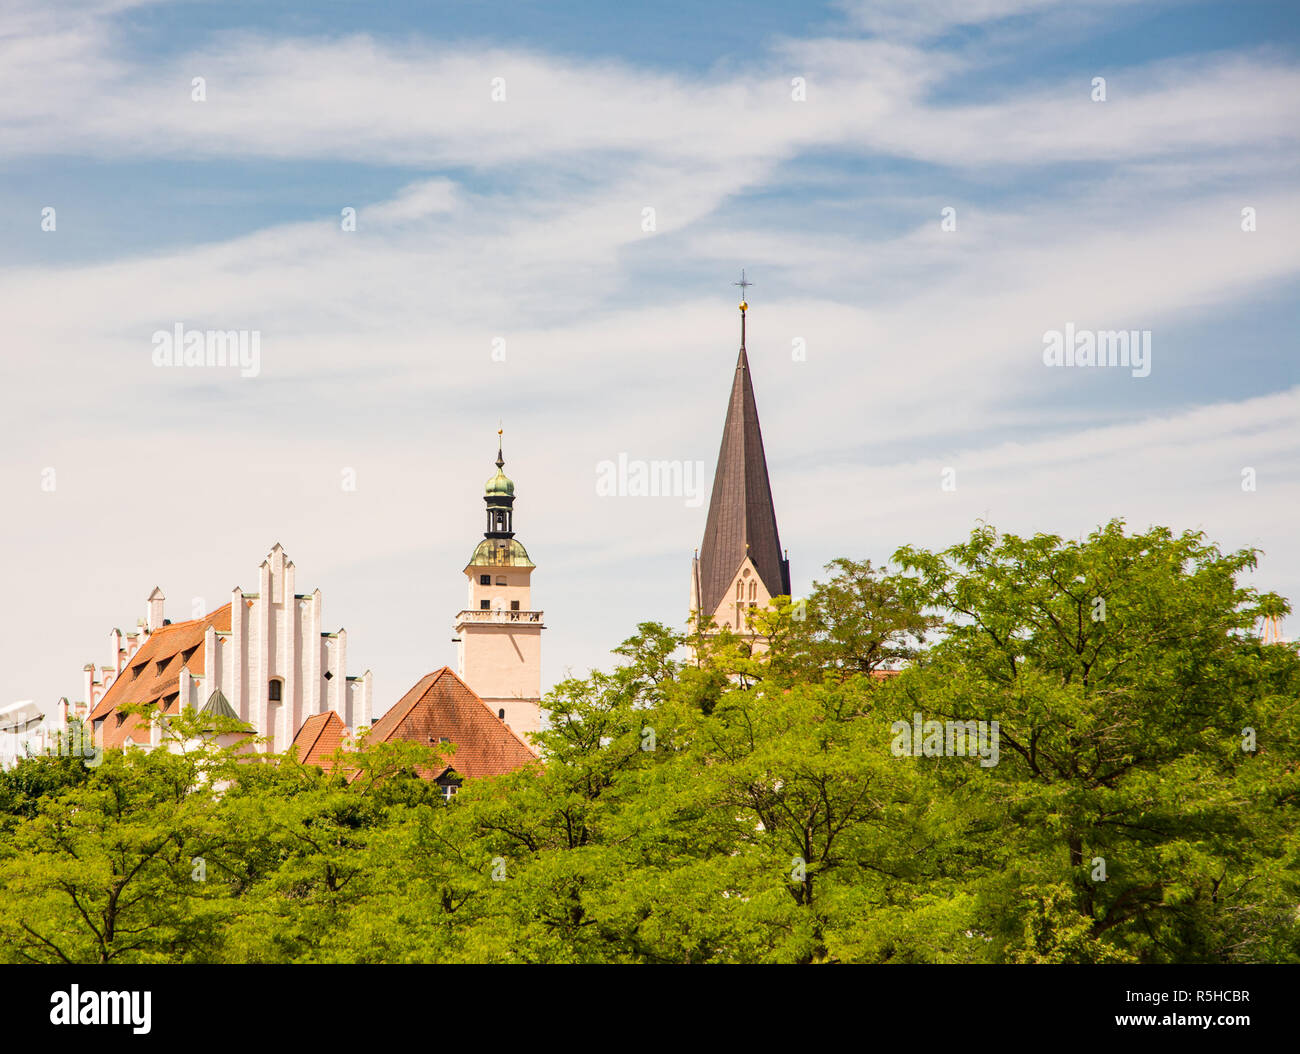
x: 498, y: 615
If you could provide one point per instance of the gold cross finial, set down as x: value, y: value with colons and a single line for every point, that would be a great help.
x: 744, y: 284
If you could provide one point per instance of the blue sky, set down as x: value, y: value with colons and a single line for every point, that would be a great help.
x: 522, y: 219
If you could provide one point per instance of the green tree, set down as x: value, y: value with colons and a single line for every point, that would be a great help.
x: 1123, y: 670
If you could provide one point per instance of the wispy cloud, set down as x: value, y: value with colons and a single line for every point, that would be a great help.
x: 523, y: 221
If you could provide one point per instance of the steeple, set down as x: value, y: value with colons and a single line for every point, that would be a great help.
x: 498, y: 633
x: 742, y: 518
x: 499, y: 495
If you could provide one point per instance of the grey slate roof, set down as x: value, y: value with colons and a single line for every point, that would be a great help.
x: 742, y: 517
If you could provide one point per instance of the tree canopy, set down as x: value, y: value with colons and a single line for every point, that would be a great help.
x: 709, y: 800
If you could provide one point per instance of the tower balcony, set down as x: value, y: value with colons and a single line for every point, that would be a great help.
x: 499, y: 616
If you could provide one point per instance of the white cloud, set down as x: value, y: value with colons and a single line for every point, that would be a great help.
x: 376, y: 343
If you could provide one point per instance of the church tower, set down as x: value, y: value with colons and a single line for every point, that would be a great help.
x: 739, y: 565
x: 499, y: 650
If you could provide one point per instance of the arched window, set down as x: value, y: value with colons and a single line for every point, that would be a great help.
x: 740, y: 590
x: 753, y: 590
x: 274, y: 687
x: 502, y: 713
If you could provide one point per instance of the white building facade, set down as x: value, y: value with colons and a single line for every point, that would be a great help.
x: 263, y: 658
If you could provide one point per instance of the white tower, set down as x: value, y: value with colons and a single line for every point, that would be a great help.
x: 499, y: 650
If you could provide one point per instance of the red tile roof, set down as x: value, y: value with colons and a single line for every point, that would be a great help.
x: 153, y: 676
x: 318, y: 739
x: 442, y: 706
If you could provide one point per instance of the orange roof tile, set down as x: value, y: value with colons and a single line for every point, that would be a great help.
x: 442, y: 706
x: 318, y: 739
x: 153, y: 675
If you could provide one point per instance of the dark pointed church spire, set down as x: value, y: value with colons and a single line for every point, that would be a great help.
x: 742, y: 518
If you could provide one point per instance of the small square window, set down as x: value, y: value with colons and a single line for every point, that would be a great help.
x: 485, y: 604
x: 329, y: 676
x: 485, y: 580
x: 514, y: 605
x: 501, y: 580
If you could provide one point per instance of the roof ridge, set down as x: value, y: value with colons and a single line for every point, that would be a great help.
x: 494, y: 717
x: 415, y: 693
x: 325, y: 716
x: 190, y: 622
x: 318, y: 730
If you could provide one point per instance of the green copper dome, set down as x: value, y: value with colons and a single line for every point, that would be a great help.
x: 500, y: 552
x: 500, y: 484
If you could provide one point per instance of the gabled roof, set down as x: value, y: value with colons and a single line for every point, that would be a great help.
x: 318, y: 739
x: 442, y: 706
x: 742, y: 518
x: 153, y: 675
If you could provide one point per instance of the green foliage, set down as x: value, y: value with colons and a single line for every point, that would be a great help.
x: 739, y: 804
